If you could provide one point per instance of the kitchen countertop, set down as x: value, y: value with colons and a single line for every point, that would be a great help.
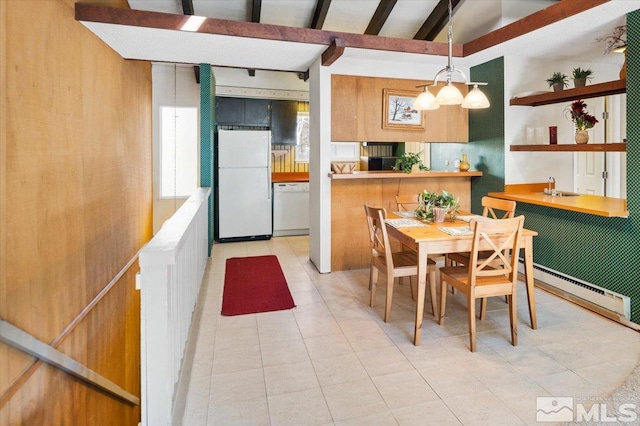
x: 583, y: 203
x: 386, y: 174
x: 279, y: 177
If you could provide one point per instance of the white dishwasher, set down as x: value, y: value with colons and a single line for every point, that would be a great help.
x: 290, y: 208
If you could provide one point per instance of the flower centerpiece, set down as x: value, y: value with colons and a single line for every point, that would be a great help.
x: 577, y: 112
x: 434, y: 206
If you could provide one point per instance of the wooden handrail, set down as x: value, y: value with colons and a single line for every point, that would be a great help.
x: 11, y: 390
x: 22, y: 340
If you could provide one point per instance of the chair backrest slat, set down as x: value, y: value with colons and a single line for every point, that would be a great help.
x: 502, y: 238
x: 491, y: 207
x: 378, y: 236
x: 407, y: 202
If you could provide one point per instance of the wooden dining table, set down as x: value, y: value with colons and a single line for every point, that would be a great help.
x: 430, y: 240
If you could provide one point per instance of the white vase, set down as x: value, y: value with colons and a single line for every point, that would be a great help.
x: 582, y: 136
x: 439, y: 213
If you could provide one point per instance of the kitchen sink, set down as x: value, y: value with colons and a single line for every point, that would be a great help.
x: 562, y: 194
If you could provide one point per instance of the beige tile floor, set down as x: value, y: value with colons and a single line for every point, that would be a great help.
x: 333, y: 361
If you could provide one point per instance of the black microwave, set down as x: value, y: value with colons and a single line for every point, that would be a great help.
x: 381, y: 163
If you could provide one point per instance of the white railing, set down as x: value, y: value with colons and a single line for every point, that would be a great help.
x: 171, y: 270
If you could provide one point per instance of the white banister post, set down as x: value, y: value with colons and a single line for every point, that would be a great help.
x: 171, y: 270
x: 154, y: 303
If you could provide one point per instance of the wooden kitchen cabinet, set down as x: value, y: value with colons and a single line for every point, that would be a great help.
x: 357, y: 105
x: 284, y: 122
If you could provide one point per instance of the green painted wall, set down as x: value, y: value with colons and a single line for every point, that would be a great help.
x: 600, y: 250
x: 207, y: 118
x: 485, y: 150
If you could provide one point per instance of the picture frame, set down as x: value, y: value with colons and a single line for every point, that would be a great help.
x: 398, y: 112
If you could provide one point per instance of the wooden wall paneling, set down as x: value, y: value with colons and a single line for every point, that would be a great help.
x: 369, y: 110
x: 344, y: 107
x: 446, y: 124
x: 4, y: 350
x: 78, y: 172
x: 349, y: 238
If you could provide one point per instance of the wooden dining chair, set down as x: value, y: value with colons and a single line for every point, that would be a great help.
x: 392, y: 264
x: 493, y: 208
x: 496, y: 275
x: 407, y: 202
x: 410, y: 202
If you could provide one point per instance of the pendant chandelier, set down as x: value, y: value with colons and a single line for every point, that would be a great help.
x: 450, y: 94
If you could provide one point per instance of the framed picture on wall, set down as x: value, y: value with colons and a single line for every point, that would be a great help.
x: 398, y: 111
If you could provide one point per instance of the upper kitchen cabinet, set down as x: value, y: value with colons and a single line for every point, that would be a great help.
x: 257, y: 112
x: 357, y: 105
x: 284, y: 122
x: 243, y: 112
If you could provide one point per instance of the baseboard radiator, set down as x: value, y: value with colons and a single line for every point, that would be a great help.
x: 605, y: 299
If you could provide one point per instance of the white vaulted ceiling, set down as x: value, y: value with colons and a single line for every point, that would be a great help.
x: 573, y: 38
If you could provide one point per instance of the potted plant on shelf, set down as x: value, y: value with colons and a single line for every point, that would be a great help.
x: 558, y: 81
x: 577, y: 112
x: 434, y: 206
x: 581, y: 76
x: 407, y: 161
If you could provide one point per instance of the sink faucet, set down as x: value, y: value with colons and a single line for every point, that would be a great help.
x: 551, y: 180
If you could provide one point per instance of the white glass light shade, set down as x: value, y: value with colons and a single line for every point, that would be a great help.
x: 475, y: 99
x: 425, y: 101
x: 449, y: 95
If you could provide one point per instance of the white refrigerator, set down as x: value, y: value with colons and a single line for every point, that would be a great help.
x: 244, y: 185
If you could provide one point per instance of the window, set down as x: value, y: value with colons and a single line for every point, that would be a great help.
x: 178, y: 151
x: 302, y: 147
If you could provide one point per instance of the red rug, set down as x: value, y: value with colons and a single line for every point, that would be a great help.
x: 254, y: 284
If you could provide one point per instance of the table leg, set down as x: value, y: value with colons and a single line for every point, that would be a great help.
x: 422, y: 284
x: 528, y: 272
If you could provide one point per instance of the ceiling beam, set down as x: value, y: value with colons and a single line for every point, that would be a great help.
x: 333, y: 52
x: 89, y: 12
x: 436, y: 21
x: 380, y: 16
x: 187, y: 7
x: 255, y: 10
x: 549, y: 15
x: 322, y: 7
x: 304, y: 75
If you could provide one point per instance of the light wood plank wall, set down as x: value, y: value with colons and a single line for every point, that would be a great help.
x: 350, y: 247
x: 75, y: 207
x: 357, y: 105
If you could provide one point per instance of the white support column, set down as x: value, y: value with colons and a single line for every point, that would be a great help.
x: 320, y: 166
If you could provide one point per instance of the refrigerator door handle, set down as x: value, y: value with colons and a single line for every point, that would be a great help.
x: 269, y: 166
x: 269, y: 184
